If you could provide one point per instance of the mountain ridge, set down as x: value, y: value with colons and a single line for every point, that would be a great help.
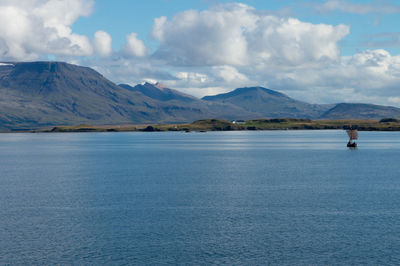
x: 159, y: 92
x: 269, y: 103
x: 44, y: 93
x: 361, y: 111
x: 38, y: 94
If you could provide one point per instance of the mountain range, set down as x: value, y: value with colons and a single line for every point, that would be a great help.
x: 39, y: 94
x: 269, y: 103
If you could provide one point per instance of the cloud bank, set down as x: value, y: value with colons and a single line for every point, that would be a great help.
x: 102, y: 43
x: 235, y: 45
x: 134, y: 47
x: 212, y: 51
x: 236, y: 34
x: 31, y: 28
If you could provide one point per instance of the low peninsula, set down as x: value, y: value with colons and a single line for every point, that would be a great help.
x: 387, y: 124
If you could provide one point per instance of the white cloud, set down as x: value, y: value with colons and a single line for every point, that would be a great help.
x: 229, y: 74
x: 192, y: 77
x: 59, y: 13
x: 126, y: 70
x: 30, y: 28
x: 394, y: 100
x: 102, y: 43
x: 236, y: 34
x: 133, y: 46
x: 293, y: 42
x: 158, y: 28
x: 199, y: 93
x: 209, y: 80
x: 218, y: 75
x: 369, y: 76
x: 209, y: 37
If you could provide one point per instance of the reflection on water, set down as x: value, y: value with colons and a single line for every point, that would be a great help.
x: 259, y: 197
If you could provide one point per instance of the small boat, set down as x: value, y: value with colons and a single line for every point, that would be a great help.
x: 353, y: 135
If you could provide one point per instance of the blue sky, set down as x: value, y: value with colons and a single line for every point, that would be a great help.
x: 318, y: 51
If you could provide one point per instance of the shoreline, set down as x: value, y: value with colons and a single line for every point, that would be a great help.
x: 206, y: 125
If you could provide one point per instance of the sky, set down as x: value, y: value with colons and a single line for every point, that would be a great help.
x: 316, y: 51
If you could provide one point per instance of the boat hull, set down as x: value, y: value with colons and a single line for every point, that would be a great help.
x: 352, y: 145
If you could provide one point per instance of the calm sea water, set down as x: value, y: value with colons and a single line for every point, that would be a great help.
x: 271, y: 197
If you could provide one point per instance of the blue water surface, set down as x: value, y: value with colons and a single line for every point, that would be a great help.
x: 171, y: 198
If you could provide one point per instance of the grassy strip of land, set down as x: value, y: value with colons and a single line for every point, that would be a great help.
x: 90, y: 128
x: 388, y: 124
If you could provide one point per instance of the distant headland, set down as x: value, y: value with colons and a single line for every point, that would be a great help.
x: 388, y: 124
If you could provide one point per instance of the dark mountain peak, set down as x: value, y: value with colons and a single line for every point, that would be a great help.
x: 347, y: 105
x: 42, y: 78
x: 160, y: 86
x: 258, y: 90
x: 255, y: 91
x: 159, y: 92
x: 152, y: 86
x: 268, y: 103
x: 43, y: 67
x: 157, y: 85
